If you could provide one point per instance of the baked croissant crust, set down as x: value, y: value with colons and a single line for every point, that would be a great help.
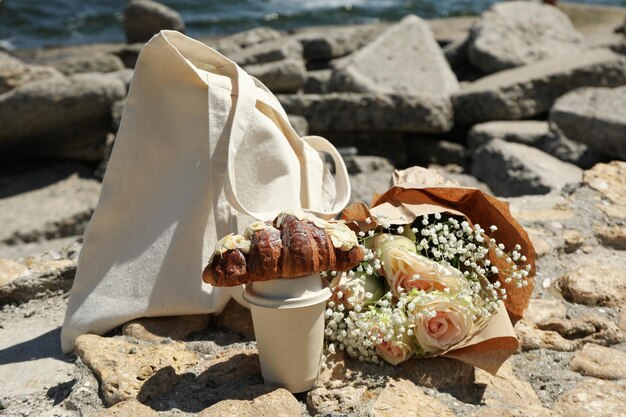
x: 289, y: 248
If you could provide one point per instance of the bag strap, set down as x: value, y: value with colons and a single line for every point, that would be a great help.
x: 243, y: 113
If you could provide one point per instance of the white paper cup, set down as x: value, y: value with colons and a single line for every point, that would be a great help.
x: 288, y: 318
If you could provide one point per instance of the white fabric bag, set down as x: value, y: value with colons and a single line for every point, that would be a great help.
x: 202, y: 147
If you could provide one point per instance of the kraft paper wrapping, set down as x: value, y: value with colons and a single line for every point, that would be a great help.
x: 418, y: 191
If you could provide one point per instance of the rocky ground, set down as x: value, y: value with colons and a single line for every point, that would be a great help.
x: 544, y: 128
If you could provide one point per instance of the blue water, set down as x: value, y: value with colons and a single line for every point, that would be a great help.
x: 35, y: 23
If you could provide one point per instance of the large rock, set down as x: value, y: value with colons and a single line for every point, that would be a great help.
x: 157, y: 329
x: 328, y: 43
x: 145, y: 18
x: 609, y: 180
x: 60, y: 116
x: 368, y: 175
x: 531, y: 90
x: 405, y: 59
x: 287, y: 76
x: 43, y: 210
x: 505, y: 388
x: 128, y: 371
x: 279, y: 403
x: 127, y: 408
x: 512, y: 169
x: 343, y: 112
x: 233, y: 43
x: 99, y: 62
x: 600, y: 362
x: 511, y: 34
x: 276, y: 50
x: 533, y: 133
x: 44, y: 276
x: 398, y: 399
x: 527, y: 132
x: 595, y: 117
x: 14, y: 72
x: 593, y: 397
x: 10, y: 271
x: 595, y: 284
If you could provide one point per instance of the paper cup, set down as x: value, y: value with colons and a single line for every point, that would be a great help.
x: 288, y: 318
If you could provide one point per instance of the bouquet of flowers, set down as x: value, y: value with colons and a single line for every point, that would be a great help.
x: 429, y: 282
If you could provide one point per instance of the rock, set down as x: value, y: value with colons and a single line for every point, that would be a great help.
x: 232, y: 373
x: 612, y: 236
x: 287, y: 76
x: 277, y: 50
x: 399, y: 399
x: 60, y: 116
x: 542, y: 247
x: 155, y: 329
x: 456, y: 53
x: 14, y: 73
x: 405, y: 59
x: 593, y: 397
x: 317, y: 82
x: 517, y: 33
x: 10, y: 271
x: 511, y: 169
x: 145, y: 18
x: 24, y: 250
x: 127, y: 408
x: 340, y: 112
x: 541, y: 310
x: 363, y: 164
x: 506, y: 389
x: 599, y: 362
x: 368, y: 175
x: 44, y: 211
x: 44, y: 277
x: 299, y: 124
x: 427, y: 151
x: 437, y: 372
x: 528, y: 91
x: 514, y: 412
x: 536, y: 134
x: 593, y: 116
x: 330, y: 43
x: 128, y: 371
x: 573, y: 240
x: 235, y: 318
x: 589, y: 329
x: 279, y: 403
x: 527, y: 132
x: 99, y: 62
x: 129, y: 54
x: 531, y: 338
x: 248, y: 38
x: 124, y: 75
x: 595, y: 284
x: 608, y: 179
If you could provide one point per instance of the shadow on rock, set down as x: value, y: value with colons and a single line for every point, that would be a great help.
x: 237, y: 377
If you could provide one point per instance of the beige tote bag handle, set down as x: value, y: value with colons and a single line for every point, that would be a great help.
x: 243, y: 114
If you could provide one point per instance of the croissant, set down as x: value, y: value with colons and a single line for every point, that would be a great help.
x: 294, y: 245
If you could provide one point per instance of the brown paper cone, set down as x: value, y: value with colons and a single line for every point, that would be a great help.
x: 418, y: 191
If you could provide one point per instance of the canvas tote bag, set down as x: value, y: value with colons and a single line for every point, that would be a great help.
x: 202, y: 149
